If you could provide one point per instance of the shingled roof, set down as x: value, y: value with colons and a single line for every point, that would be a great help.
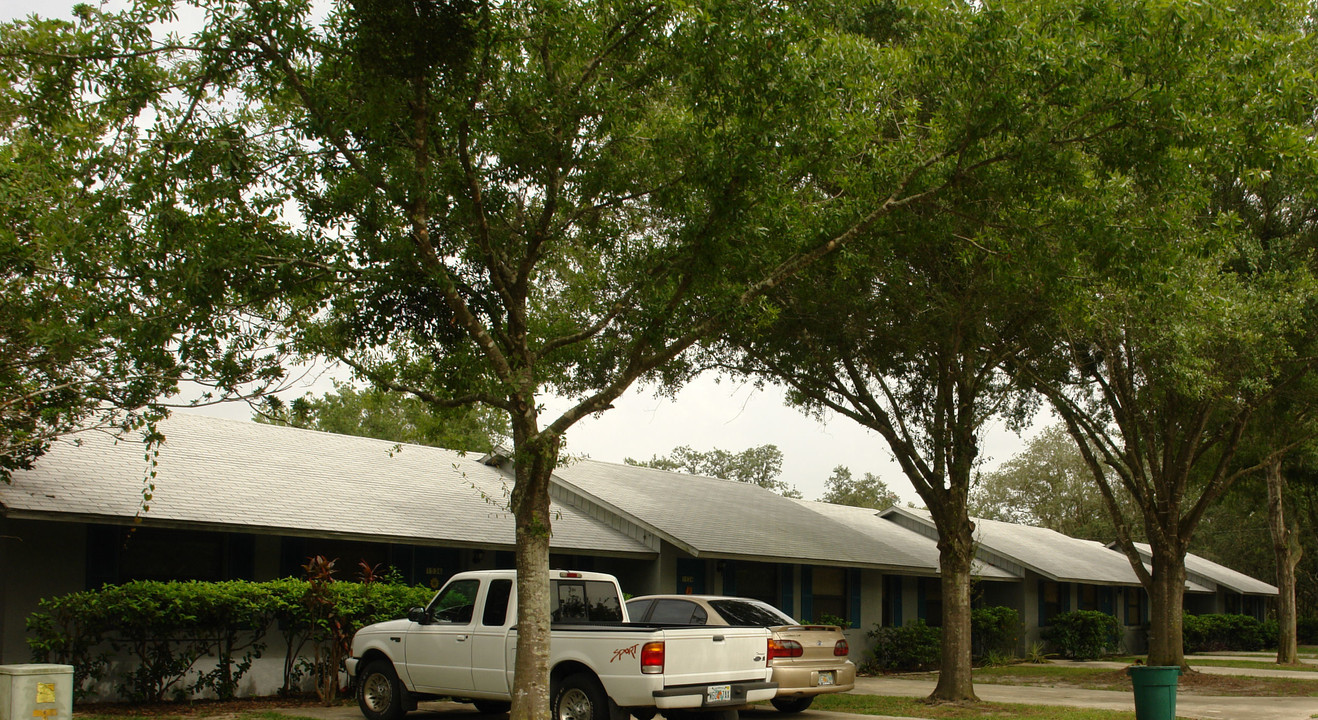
x: 899, y: 545
x: 243, y: 476
x: 1205, y: 572
x: 710, y: 517
x: 1047, y: 552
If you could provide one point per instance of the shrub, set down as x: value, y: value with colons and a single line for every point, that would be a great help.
x: 1208, y: 633
x: 909, y: 647
x: 993, y: 631
x: 1084, y: 634
x: 170, y: 628
x: 1306, y: 630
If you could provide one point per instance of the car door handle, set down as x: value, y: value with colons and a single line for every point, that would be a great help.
x: 462, y: 638
x: 718, y: 638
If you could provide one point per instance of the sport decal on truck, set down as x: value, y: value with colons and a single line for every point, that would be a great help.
x: 621, y: 653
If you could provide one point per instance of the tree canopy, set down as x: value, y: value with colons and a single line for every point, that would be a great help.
x: 387, y: 415
x: 1047, y: 484
x: 760, y: 465
x: 866, y: 491
x: 470, y: 202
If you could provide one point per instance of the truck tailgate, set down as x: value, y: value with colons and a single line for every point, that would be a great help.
x: 732, y: 654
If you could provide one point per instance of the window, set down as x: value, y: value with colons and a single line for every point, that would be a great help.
x: 455, y: 603
x: 678, y: 612
x: 755, y: 580
x: 119, y: 554
x: 496, y: 603
x: 1053, y: 600
x: 828, y: 585
x: 1088, y: 597
x: 590, y: 601
x: 931, y: 601
x: 638, y: 609
x: 1134, y: 606
x: 750, y: 613
x: 892, y: 600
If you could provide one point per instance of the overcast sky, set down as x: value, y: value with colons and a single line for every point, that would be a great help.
x: 705, y: 415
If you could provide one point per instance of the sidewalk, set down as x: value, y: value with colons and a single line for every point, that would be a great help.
x: 1279, y: 672
x: 1191, y: 706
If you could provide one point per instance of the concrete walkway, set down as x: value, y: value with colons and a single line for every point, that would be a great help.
x: 1190, y: 706
x: 1279, y: 672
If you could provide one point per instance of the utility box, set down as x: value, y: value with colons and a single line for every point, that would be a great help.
x: 36, y: 692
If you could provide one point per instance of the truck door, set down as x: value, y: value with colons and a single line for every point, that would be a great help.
x: 439, y: 649
x: 488, y: 654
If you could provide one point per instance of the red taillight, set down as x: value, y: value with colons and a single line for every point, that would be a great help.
x: 784, y: 648
x: 841, y: 649
x: 652, y: 658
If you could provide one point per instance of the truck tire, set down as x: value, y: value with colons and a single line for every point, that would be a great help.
x: 579, y: 697
x: 379, y: 692
x: 792, y: 705
x: 491, y: 707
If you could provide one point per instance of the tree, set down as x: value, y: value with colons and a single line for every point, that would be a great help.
x: 1062, y: 115
x: 1177, y: 345
x: 1048, y: 485
x: 477, y: 203
x: 88, y: 340
x: 869, y: 491
x: 389, y: 416
x: 760, y: 465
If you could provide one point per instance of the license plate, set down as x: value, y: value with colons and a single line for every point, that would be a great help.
x: 827, y: 678
x: 718, y: 693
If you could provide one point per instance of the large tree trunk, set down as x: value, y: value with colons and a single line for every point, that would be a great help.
x: 1286, y: 548
x: 1166, y: 607
x: 535, y: 461
x: 956, y: 681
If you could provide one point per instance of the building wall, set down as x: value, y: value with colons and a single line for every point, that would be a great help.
x: 37, y: 560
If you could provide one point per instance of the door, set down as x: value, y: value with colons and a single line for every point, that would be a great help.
x: 489, y: 641
x: 439, y: 649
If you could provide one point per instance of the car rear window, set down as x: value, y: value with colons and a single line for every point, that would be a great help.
x: 750, y: 613
x: 585, y: 601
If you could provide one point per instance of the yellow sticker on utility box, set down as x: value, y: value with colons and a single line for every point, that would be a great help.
x: 45, y: 693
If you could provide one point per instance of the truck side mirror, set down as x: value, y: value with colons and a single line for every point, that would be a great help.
x: 418, y: 615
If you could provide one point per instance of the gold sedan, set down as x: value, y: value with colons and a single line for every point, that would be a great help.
x: 807, y: 660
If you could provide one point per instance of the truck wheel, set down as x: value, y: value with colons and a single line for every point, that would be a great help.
x: 579, y: 697
x: 379, y: 693
x: 491, y: 707
x: 793, y: 705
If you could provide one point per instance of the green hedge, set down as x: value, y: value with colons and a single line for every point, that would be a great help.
x: 1306, y: 630
x: 1084, y: 634
x: 1206, y: 633
x: 994, y: 630
x: 909, y: 647
x: 170, y: 629
x: 918, y: 646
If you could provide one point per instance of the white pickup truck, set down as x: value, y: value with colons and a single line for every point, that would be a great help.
x: 602, y: 667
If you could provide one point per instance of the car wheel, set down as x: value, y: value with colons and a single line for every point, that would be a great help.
x: 579, y: 697
x: 792, y: 705
x: 379, y: 693
x: 491, y: 707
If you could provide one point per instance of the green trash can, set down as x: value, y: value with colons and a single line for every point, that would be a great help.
x: 1155, y: 691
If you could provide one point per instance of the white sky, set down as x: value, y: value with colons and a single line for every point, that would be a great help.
x: 705, y: 415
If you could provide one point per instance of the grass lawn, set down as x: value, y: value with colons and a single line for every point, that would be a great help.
x: 1098, y: 678
x: 915, y: 707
